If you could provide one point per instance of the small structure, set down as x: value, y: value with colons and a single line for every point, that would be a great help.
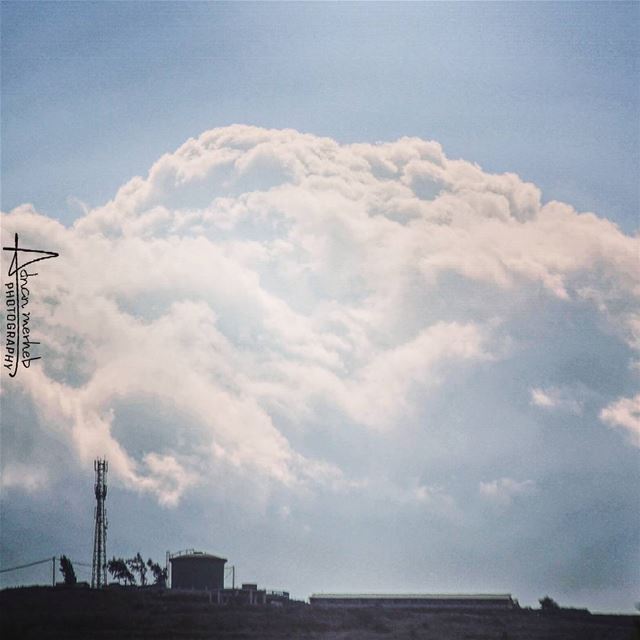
x: 252, y: 595
x: 249, y: 594
x: 196, y: 570
x: 413, y: 600
x: 277, y: 598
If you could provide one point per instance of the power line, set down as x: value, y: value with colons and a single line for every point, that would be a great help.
x: 24, y: 566
x: 81, y: 564
x: 36, y: 562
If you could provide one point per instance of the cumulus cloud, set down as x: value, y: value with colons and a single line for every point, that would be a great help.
x: 624, y: 413
x: 504, y: 490
x: 557, y: 398
x: 437, y: 501
x: 256, y: 279
x: 25, y: 477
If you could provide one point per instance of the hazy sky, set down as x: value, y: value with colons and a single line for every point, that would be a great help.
x: 347, y: 293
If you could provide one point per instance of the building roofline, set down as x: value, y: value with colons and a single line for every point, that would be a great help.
x: 423, y: 596
x: 192, y: 553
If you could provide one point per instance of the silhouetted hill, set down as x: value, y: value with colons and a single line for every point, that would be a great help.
x: 45, y: 613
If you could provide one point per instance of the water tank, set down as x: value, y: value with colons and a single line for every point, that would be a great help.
x: 197, y: 570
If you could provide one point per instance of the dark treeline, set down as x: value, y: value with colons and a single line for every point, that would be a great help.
x: 127, y: 571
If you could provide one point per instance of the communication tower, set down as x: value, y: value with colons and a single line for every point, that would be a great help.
x: 99, y: 567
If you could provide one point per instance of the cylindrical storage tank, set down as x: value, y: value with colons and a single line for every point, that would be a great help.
x: 197, y: 570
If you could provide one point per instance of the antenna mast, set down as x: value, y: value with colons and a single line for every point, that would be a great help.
x: 99, y: 567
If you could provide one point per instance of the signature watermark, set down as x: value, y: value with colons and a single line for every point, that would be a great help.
x: 19, y: 343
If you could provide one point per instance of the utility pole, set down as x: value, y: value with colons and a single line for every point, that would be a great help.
x: 53, y: 571
x: 99, y: 566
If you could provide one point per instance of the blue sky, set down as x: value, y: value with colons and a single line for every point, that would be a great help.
x: 94, y: 92
x: 302, y: 349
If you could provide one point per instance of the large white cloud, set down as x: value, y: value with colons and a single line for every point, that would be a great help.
x: 256, y: 276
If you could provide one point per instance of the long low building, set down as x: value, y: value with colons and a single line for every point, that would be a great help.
x: 422, y: 600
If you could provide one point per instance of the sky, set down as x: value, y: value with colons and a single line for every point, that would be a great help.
x: 347, y: 293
